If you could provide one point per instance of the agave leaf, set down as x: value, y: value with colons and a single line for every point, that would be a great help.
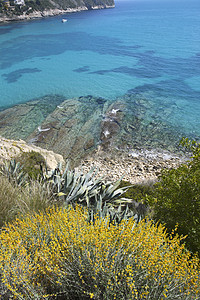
x: 89, y: 175
x: 123, y: 200
x: 74, y: 184
x: 117, y: 193
x: 66, y: 169
x: 68, y: 179
x: 124, y: 216
x: 74, y: 194
x: 56, y: 179
x: 61, y: 194
x: 87, y: 199
x: 92, y: 216
x: 107, y: 193
x: 16, y: 167
x: 99, y: 202
x: 99, y: 205
x: 105, y: 211
x: 119, y: 209
x: 21, y: 178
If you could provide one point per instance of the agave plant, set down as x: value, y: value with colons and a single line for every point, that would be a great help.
x: 14, y: 172
x: 114, y: 214
x: 72, y: 186
x: 105, y: 199
x: 78, y: 187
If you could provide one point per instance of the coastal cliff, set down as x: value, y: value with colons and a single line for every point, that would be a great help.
x: 13, y: 10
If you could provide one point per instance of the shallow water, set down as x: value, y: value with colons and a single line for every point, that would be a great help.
x: 150, y: 49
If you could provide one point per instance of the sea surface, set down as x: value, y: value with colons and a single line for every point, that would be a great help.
x: 146, y: 48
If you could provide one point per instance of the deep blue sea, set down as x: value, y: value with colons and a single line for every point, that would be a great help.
x: 146, y: 47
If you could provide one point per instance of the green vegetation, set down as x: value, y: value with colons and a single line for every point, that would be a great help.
x: 137, y: 192
x: 33, y: 163
x: 74, y: 187
x: 73, y: 236
x: 176, y: 199
x: 8, y: 198
x: 37, y: 189
x: 10, y: 8
x: 14, y: 172
x: 16, y: 200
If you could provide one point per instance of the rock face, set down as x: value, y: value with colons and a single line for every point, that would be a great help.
x: 77, y: 127
x: 10, y: 11
x: 10, y: 149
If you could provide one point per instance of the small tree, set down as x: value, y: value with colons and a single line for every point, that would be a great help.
x: 177, y: 198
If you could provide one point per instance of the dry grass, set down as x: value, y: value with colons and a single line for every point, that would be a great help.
x: 16, y: 200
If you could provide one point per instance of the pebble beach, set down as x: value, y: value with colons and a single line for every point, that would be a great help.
x: 137, y: 167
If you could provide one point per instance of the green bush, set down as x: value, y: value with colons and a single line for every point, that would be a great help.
x: 136, y: 192
x: 177, y: 199
x: 136, y: 196
x: 32, y: 162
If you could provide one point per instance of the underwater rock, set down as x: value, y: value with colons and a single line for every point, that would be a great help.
x: 19, y: 121
x: 76, y: 127
x: 145, y: 125
x: 111, y: 124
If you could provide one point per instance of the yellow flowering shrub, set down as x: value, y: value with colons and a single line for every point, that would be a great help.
x: 59, y: 255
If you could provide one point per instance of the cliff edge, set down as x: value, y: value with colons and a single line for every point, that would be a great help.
x: 9, y: 149
x: 13, y: 10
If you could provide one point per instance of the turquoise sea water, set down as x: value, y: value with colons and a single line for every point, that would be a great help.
x: 147, y: 48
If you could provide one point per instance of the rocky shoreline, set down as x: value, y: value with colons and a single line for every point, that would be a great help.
x: 117, y: 137
x: 77, y: 127
x: 49, y: 13
x: 137, y: 167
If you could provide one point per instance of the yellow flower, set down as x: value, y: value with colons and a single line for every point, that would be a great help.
x: 60, y: 243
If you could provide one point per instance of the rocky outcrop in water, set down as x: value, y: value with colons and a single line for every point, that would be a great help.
x: 76, y: 127
x: 73, y: 129
x: 19, y: 121
x: 23, y: 9
x: 145, y: 124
